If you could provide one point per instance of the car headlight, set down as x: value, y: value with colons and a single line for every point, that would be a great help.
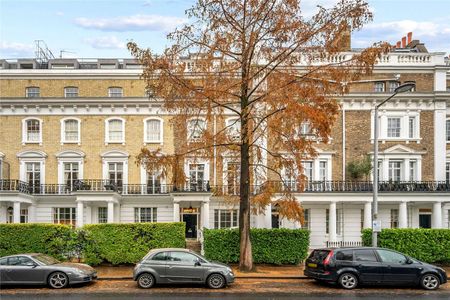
x: 229, y: 270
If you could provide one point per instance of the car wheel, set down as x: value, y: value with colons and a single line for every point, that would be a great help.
x: 146, y: 281
x: 348, y: 281
x: 429, y: 282
x: 216, y: 281
x: 58, y: 280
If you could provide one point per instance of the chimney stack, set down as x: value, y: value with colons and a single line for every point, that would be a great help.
x: 399, y: 44
x: 409, y: 38
x: 404, y: 42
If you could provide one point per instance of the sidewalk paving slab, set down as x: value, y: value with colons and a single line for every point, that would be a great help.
x: 262, y: 271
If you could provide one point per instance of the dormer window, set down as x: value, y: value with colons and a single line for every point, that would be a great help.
x: 115, y: 92
x: 33, y: 92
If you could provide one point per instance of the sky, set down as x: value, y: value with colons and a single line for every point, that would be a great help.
x: 101, y: 28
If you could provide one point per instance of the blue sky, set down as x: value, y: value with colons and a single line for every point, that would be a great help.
x: 101, y: 28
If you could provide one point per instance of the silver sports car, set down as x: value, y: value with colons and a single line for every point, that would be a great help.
x: 38, y: 268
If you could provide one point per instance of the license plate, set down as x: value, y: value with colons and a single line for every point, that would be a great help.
x: 312, y: 265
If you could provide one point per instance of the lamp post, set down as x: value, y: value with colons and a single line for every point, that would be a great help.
x: 375, y: 224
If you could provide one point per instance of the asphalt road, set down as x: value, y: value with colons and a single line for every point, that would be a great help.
x: 221, y: 296
x: 248, y: 289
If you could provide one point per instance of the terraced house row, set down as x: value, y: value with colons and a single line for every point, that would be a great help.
x: 71, y: 129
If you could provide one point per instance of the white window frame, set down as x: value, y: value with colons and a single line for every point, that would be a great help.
x: 226, y: 162
x: 27, y: 92
x: 161, y: 131
x: 25, y: 132
x: 403, y: 155
x: 375, y: 85
x: 32, y: 156
x: 70, y: 156
x: 188, y: 131
x: 107, y: 140
x: 63, y: 131
x: 104, y: 217
x: 115, y: 156
x: 66, y: 91
x: 115, y: 95
x: 137, y: 218
x: 233, y: 213
x: 231, y: 132
x: 190, y: 161
x: 73, y: 213
x: 404, y: 126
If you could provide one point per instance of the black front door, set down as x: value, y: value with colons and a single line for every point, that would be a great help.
x: 425, y: 221
x: 191, y: 225
x: 275, y: 221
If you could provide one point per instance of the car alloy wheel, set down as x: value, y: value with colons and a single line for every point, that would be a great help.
x: 348, y: 281
x: 216, y: 281
x: 430, y: 282
x: 146, y: 281
x: 58, y: 280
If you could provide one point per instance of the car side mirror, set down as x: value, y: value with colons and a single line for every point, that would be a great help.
x: 409, y: 261
x: 197, y: 262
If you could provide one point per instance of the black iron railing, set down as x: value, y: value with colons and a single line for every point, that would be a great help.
x: 100, y: 185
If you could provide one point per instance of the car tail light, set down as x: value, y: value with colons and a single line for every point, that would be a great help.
x: 327, y: 259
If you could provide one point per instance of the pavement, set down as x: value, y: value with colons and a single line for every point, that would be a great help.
x: 262, y: 271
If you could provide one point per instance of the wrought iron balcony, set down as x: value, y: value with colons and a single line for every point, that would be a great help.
x: 99, y: 185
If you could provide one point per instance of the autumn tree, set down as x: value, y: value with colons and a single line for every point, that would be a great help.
x: 277, y: 71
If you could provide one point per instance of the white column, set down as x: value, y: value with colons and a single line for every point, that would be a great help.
x: 439, y: 141
x: 16, y: 212
x: 403, y: 215
x: 80, y: 214
x: 117, y: 213
x: 176, y: 212
x: 267, y: 218
x: 3, y: 212
x: 437, y: 215
x: 367, y: 215
x: 88, y: 214
x: 332, y: 222
x: 205, y: 214
x: 110, y: 212
x: 32, y: 213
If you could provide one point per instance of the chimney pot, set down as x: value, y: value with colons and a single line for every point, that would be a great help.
x: 404, y: 42
x: 399, y: 44
x: 409, y: 38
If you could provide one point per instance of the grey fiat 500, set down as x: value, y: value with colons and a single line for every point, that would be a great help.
x: 180, y: 266
x: 38, y: 268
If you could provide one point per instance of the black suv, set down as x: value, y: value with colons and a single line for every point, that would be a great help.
x: 352, y: 266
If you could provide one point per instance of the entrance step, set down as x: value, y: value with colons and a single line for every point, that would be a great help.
x: 194, y: 245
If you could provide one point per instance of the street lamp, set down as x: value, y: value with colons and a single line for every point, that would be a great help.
x: 376, y: 226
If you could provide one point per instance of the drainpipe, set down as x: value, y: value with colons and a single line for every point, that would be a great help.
x: 343, y: 142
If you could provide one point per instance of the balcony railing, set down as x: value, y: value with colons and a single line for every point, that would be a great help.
x: 98, y: 185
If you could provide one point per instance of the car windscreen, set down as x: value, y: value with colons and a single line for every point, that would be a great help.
x: 319, y: 255
x: 45, y: 259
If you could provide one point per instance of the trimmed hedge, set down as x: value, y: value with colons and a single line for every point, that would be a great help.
x: 128, y: 243
x: 271, y: 246
x: 53, y: 239
x: 428, y: 245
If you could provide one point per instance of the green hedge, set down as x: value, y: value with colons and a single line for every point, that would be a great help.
x: 128, y: 243
x: 428, y: 245
x: 271, y: 246
x: 53, y: 239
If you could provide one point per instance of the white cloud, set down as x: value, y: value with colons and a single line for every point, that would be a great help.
x: 105, y: 42
x: 436, y: 36
x: 60, y: 13
x: 16, y: 50
x: 132, y: 23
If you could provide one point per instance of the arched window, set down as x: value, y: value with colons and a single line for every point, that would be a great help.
x: 115, y: 130
x: 153, y: 130
x: 195, y: 129
x: 32, y: 130
x: 115, y: 92
x: 70, y: 130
